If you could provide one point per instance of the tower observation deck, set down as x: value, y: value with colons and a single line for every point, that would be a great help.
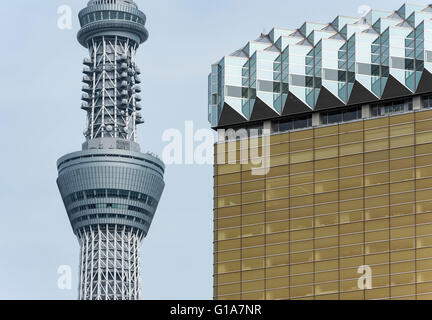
x: 110, y: 189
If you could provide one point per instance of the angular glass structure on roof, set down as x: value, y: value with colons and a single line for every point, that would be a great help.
x: 350, y: 61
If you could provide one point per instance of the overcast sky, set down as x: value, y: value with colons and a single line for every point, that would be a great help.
x: 41, y: 120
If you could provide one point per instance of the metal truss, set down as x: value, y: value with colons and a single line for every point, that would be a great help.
x: 110, y: 90
x: 110, y: 263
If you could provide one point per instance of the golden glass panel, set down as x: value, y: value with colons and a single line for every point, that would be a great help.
x: 229, y: 289
x: 424, y: 242
x: 302, y: 156
x: 279, y: 160
x: 326, y: 197
x: 424, y: 218
x: 328, y: 186
x: 301, y: 179
x: 423, y: 126
x: 351, y: 228
x: 253, y: 208
x: 326, y: 220
x: 326, y: 242
x: 423, y: 183
x: 277, y: 238
x: 301, y: 168
x: 253, y: 275
x: 326, y: 175
x: 228, y: 278
x: 228, y: 168
x: 278, y: 294
x: 423, y: 149
x: 399, y: 233
x: 351, y: 194
x: 301, y: 257
x: 301, y: 190
x: 377, y: 247
x: 276, y: 261
x: 325, y: 164
x: 351, y: 171
x: 279, y: 148
x: 228, y: 223
x: 229, y: 201
x: 253, y: 241
x: 229, y: 178
x: 227, y: 212
x: 402, y: 198
x: 424, y: 276
x: 375, y: 294
x: 376, y: 123
x: 253, y: 296
x: 398, y: 256
x: 376, y: 202
x: 424, y: 264
x: 300, y: 135
x: 301, y: 291
x: 302, y: 280
x: 381, y: 281
x: 253, y: 286
x: 402, y: 130
x: 357, y: 295
x: 377, y: 259
x: 301, y: 201
x: 277, y: 271
x: 277, y: 204
x: 425, y: 137
x: 351, y: 239
x: 327, y: 288
x: 253, y: 197
x: 351, y: 137
x: 253, y: 252
x: 376, y: 167
x: 402, y: 291
x: 374, y: 214
x: 348, y: 149
x: 402, y: 244
x: 351, y: 205
x: 351, y: 262
x: 349, y: 285
x: 302, y: 145
x: 376, y: 156
x: 277, y: 227
x: 229, y: 267
x: 326, y: 254
x: 277, y: 283
x: 229, y: 298
x: 349, y: 217
x: 277, y: 193
x: 228, y: 245
x: 351, y: 251
x: 327, y: 208
x: 423, y: 288
x: 424, y: 230
x: 277, y: 249
x: 300, y: 246
x: 402, y: 118
x: 228, y: 256
x: 382, y: 235
x: 425, y: 206
x: 401, y: 175
x: 273, y: 172
x: 277, y: 183
x: 350, y: 160
x: 252, y: 231
x: 301, y: 224
x: 250, y: 264
x: 301, y: 235
x: 402, y: 141
x: 376, y: 190
x: 277, y: 215
x: 252, y: 186
x: 252, y: 219
x: 326, y: 153
x: 228, y: 234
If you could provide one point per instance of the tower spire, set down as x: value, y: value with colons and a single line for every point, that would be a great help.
x: 110, y: 189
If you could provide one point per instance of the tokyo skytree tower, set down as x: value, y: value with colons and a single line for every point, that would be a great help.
x: 110, y: 189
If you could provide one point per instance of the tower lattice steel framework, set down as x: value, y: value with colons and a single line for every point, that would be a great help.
x: 110, y: 189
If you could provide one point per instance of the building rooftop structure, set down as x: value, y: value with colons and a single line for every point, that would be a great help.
x: 321, y: 66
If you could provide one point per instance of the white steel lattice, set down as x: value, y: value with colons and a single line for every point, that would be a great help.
x: 110, y: 90
x: 110, y: 263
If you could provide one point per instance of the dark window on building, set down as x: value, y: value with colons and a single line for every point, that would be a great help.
x: 427, y: 102
x: 398, y: 106
x: 350, y: 114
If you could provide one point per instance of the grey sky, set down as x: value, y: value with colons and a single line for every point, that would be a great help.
x: 41, y: 120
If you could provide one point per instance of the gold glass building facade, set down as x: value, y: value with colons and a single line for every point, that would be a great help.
x: 344, y: 212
